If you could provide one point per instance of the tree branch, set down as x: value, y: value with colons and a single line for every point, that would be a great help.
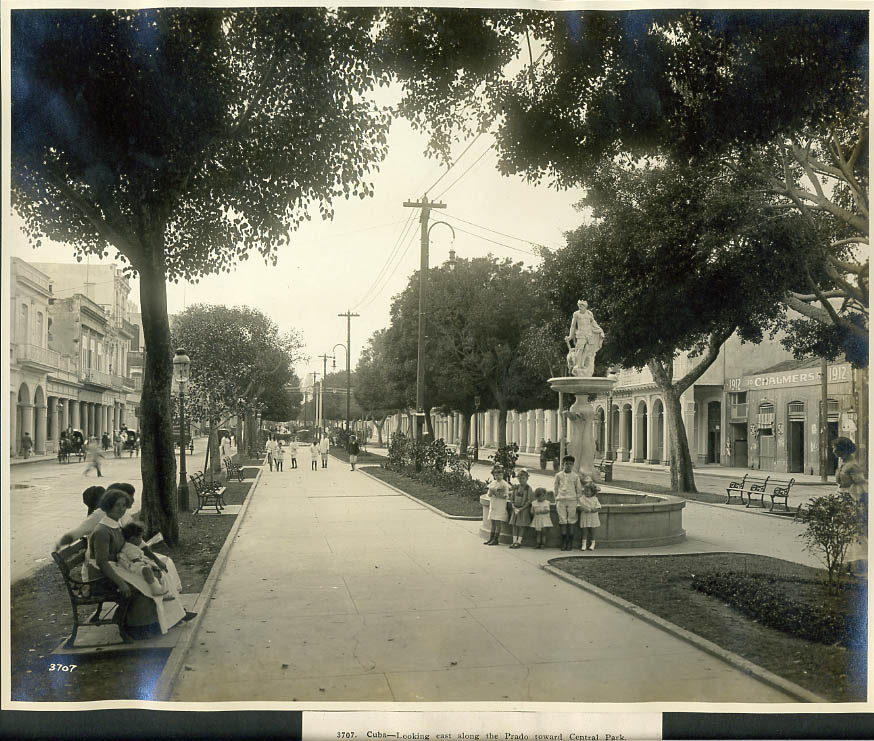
x: 793, y: 301
x: 106, y: 232
x: 714, y: 343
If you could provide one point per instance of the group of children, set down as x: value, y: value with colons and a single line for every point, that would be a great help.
x: 276, y: 453
x: 576, y: 498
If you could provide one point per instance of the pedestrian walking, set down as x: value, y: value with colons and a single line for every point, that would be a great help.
x: 278, y: 455
x: 540, y: 519
x: 225, y: 446
x: 26, y: 445
x: 271, y: 449
x: 314, y: 454
x: 353, y: 451
x: 520, y: 499
x: 292, y: 452
x: 567, y: 488
x: 499, y: 493
x: 324, y: 447
x: 116, y: 443
x: 94, y: 457
x: 104, y: 440
x: 589, y: 520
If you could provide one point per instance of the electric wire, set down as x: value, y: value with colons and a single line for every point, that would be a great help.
x: 493, y: 241
x: 394, y: 270
x: 469, y: 168
x: 454, y: 162
x: 391, y: 255
x: 493, y: 231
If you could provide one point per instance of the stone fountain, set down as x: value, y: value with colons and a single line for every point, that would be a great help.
x: 583, y: 342
x: 628, y: 519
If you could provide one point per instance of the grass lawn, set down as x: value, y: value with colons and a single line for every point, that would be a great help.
x: 364, y: 457
x: 661, y: 584
x: 451, y: 504
x: 41, y: 617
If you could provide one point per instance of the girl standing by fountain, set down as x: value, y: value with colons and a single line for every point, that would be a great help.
x: 589, y: 520
x: 499, y: 492
x: 540, y: 515
x: 521, y: 502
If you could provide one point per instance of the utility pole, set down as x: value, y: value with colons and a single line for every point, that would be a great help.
x: 426, y: 207
x: 315, y: 400
x: 324, y: 377
x: 348, y: 316
x: 823, y: 421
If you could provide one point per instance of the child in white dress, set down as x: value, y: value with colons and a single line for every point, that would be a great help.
x: 589, y: 520
x: 499, y: 492
x: 540, y: 515
x: 133, y: 557
x: 279, y: 455
x: 314, y: 454
x: 292, y: 453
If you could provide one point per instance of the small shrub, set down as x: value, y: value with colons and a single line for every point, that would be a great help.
x: 506, y: 457
x: 755, y: 595
x: 834, y: 521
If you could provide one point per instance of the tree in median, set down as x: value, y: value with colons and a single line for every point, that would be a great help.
x: 375, y: 391
x: 678, y: 259
x: 183, y: 139
x: 240, y: 364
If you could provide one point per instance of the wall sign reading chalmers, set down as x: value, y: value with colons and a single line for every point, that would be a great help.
x: 807, y: 377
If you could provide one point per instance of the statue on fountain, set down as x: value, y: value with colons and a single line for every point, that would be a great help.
x: 587, y: 339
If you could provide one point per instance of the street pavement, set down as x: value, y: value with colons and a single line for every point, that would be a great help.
x: 45, y: 501
x: 338, y: 588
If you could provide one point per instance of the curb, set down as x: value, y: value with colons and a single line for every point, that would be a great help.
x: 738, y: 662
x: 164, y: 686
x: 469, y: 518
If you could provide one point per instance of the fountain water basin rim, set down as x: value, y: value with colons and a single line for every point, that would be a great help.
x: 582, y: 384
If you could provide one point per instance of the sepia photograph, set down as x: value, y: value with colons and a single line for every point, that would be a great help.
x: 479, y: 357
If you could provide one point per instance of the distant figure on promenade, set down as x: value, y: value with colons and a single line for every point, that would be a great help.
x: 279, y: 455
x: 271, y: 449
x: 104, y: 440
x: 314, y: 455
x: 353, y: 451
x: 225, y: 446
x: 94, y: 457
x: 116, y: 443
x: 26, y: 445
x: 850, y: 478
x: 324, y: 447
x: 292, y: 452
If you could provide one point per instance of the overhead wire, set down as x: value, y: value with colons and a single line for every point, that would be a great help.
x: 488, y: 229
x: 410, y: 242
x: 392, y: 253
x: 469, y: 168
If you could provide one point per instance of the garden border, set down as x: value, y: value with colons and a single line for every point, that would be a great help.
x: 468, y: 518
x: 172, y: 667
x: 738, y: 662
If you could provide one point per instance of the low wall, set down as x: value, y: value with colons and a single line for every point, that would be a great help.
x: 628, y: 520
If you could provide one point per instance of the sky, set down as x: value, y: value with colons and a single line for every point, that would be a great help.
x: 357, y: 261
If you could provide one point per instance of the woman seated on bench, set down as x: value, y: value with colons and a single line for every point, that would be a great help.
x: 147, y: 615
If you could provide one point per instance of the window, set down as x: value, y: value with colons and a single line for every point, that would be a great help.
x: 37, y: 337
x: 737, y: 405
x: 832, y: 408
x: 765, y: 418
x: 796, y: 410
x: 24, y: 324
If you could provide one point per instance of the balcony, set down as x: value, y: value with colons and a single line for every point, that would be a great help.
x: 97, y: 378
x: 134, y: 383
x: 39, y: 357
x: 117, y: 382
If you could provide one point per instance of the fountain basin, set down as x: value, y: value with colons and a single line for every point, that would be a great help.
x: 628, y: 520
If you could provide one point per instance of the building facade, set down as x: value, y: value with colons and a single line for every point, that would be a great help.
x: 70, y: 352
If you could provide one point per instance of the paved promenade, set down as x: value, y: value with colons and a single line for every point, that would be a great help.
x: 338, y: 588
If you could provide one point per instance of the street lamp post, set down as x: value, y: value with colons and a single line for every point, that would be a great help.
x: 348, y: 376
x: 181, y: 367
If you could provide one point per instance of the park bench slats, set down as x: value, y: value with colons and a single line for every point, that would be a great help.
x: 756, y: 486
x: 233, y: 470
x: 90, y: 592
x: 209, y: 493
x: 605, y: 466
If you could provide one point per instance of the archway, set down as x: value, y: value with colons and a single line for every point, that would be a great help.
x: 657, y: 445
x: 23, y: 417
x: 39, y: 421
x: 600, y: 432
x: 640, y: 432
x: 714, y: 436
x: 625, y: 431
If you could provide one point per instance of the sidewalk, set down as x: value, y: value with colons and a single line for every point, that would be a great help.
x: 338, y: 588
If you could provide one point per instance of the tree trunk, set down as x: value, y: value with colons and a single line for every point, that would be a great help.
x: 158, y: 458
x: 682, y: 476
x: 252, y: 437
x: 502, y: 427
x: 379, y: 426
x: 465, y: 433
x: 213, y: 447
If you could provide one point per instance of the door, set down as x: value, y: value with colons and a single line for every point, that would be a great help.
x: 767, y: 449
x: 739, y: 454
x: 714, y: 415
x: 796, y: 446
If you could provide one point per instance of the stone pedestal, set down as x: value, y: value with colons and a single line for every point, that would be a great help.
x: 581, y: 415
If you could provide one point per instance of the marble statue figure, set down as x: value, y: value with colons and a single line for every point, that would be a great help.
x: 587, y: 338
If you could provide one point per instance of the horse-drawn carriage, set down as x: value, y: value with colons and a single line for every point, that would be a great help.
x: 70, y: 445
x: 130, y: 441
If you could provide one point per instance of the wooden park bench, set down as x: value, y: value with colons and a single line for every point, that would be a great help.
x: 209, y: 493
x: 605, y: 466
x: 90, y: 593
x: 780, y: 490
x: 234, y: 470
